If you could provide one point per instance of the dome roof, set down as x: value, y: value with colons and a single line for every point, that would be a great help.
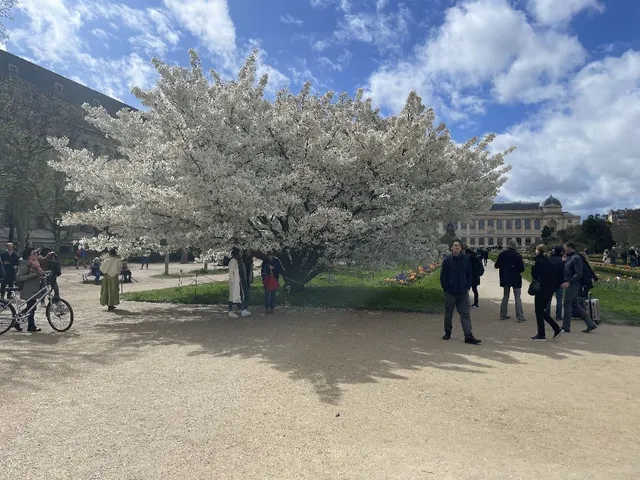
x: 551, y: 201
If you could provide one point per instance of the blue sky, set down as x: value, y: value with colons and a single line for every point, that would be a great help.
x: 559, y: 79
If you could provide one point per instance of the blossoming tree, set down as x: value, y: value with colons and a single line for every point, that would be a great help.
x: 213, y: 163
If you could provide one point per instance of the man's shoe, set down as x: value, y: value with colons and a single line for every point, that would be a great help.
x: 35, y: 329
x: 233, y: 315
x: 558, y: 333
x: 505, y: 318
x: 522, y: 320
x: 472, y: 340
x: 245, y: 313
x: 475, y: 305
x: 589, y: 329
x: 446, y: 336
x: 539, y: 338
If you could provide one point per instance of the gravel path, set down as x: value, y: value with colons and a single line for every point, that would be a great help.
x: 161, y: 391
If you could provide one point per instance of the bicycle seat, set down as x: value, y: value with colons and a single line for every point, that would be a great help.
x: 12, y: 289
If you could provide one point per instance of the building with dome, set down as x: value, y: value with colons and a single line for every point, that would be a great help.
x: 522, y: 221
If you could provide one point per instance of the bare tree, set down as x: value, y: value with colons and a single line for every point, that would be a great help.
x: 5, y: 12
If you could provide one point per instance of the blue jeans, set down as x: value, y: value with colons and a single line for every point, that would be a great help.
x: 559, y: 295
x: 270, y: 300
x: 246, y: 299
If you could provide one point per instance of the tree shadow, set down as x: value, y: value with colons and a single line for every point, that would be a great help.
x: 331, y: 349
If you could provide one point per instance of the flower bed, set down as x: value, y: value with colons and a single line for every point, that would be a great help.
x: 409, y: 278
x: 617, y: 269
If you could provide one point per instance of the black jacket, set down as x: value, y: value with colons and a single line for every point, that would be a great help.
x: 558, y: 267
x: 511, y: 267
x: 573, y: 269
x: 477, y: 270
x: 10, y: 262
x: 456, y: 274
x: 544, y: 272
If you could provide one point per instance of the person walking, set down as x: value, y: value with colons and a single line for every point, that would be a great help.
x: 477, y: 270
x: 237, y: 278
x: 270, y: 266
x: 10, y: 260
x: 29, y: 274
x: 573, y: 273
x: 545, y: 277
x: 110, y: 289
x: 456, y: 280
x: 511, y: 266
x: 606, y: 257
x: 558, y: 266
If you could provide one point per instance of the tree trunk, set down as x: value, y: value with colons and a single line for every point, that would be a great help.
x: 166, y: 264
x: 300, y: 267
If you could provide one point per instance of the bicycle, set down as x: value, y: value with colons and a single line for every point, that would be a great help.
x: 59, y: 313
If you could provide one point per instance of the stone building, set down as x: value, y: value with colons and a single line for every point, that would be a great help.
x: 48, y: 82
x: 522, y: 221
x: 618, y: 217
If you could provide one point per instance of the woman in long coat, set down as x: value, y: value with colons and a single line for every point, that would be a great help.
x: 110, y: 291
x: 29, y: 273
x: 237, y: 279
x: 477, y: 270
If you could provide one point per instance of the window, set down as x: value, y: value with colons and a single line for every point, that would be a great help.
x: 527, y: 241
x: 509, y: 224
x: 463, y: 240
x: 527, y: 224
x: 519, y: 241
x: 472, y: 225
x: 13, y: 68
x: 490, y: 223
x: 490, y: 241
x: 463, y: 226
x: 568, y: 221
x: 473, y: 241
x: 536, y: 224
x: 59, y: 88
x: 481, y: 241
x: 499, y: 224
x: 480, y: 224
x: 518, y: 224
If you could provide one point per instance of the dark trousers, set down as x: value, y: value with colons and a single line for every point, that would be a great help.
x: 474, y: 288
x: 32, y: 314
x: 8, y: 282
x: 270, y: 300
x: 246, y: 296
x: 540, y: 302
x: 571, y: 296
x: 460, y: 302
x: 559, y: 295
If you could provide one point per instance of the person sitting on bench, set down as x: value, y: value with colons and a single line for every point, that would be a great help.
x: 94, y: 270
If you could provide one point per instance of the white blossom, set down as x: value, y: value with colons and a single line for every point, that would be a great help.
x: 320, y: 179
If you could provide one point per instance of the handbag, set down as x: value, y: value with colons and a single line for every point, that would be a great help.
x: 534, y: 288
x: 271, y: 283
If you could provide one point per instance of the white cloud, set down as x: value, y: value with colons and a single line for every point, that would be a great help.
x: 291, y: 20
x: 99, y: 33
x: 209, y: 21
x: 553, y: 11
x: 482, y: 44
x: 149, y: 44
x: 585, y: 148
x: 340, y: 64
x: 344, y: 5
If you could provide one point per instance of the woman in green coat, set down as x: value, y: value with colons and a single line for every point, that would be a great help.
x: 110, y: 291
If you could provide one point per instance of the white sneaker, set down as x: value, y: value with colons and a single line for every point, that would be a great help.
x: 245, y: 313
x: 233, y: 315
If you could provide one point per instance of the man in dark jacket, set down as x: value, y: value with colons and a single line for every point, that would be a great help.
x: 573, y: 273
x: 511, y: 266
x: 10, y: 260
x: 456, y: 280
x: 546, y: 276
x: 558, y: 266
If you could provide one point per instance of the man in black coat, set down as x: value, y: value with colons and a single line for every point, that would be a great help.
x: 10, y: 260
x: 544, y: 273
x: 558, y: 267
x: 456, y: 280
x: 511, y: 266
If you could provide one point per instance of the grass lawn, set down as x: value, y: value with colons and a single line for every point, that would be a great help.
x: 192, y: 273
x: 340, y: 289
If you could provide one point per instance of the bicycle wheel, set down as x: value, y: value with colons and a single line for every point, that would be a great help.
x: 60, y: 315
x: 7, y: 316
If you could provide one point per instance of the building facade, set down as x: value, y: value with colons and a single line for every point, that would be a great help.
x: 522, y: 221
x: 618, y: 217
x: 48, y: 82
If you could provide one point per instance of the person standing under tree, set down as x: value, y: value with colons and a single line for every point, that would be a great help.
x: 247, y: 264
x: 237, y: 279
x: 110, y: 290
x: 511, y: 266
x: 456, y: 280
x: 477, y: 271
x: 29, y: 274
x: 270, y: 266
x: 546, y: 276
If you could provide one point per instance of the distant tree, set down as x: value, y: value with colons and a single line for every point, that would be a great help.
x: 449, y: 234
x: 571, y: 234
x: 5, y: 12
x: 546, y: 234
x: 620, y: 234
x: 596, y: 233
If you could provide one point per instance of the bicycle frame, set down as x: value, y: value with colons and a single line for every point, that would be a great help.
x: 41, y: 294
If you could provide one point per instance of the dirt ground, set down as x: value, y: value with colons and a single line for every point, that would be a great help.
x: 162, y: 391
